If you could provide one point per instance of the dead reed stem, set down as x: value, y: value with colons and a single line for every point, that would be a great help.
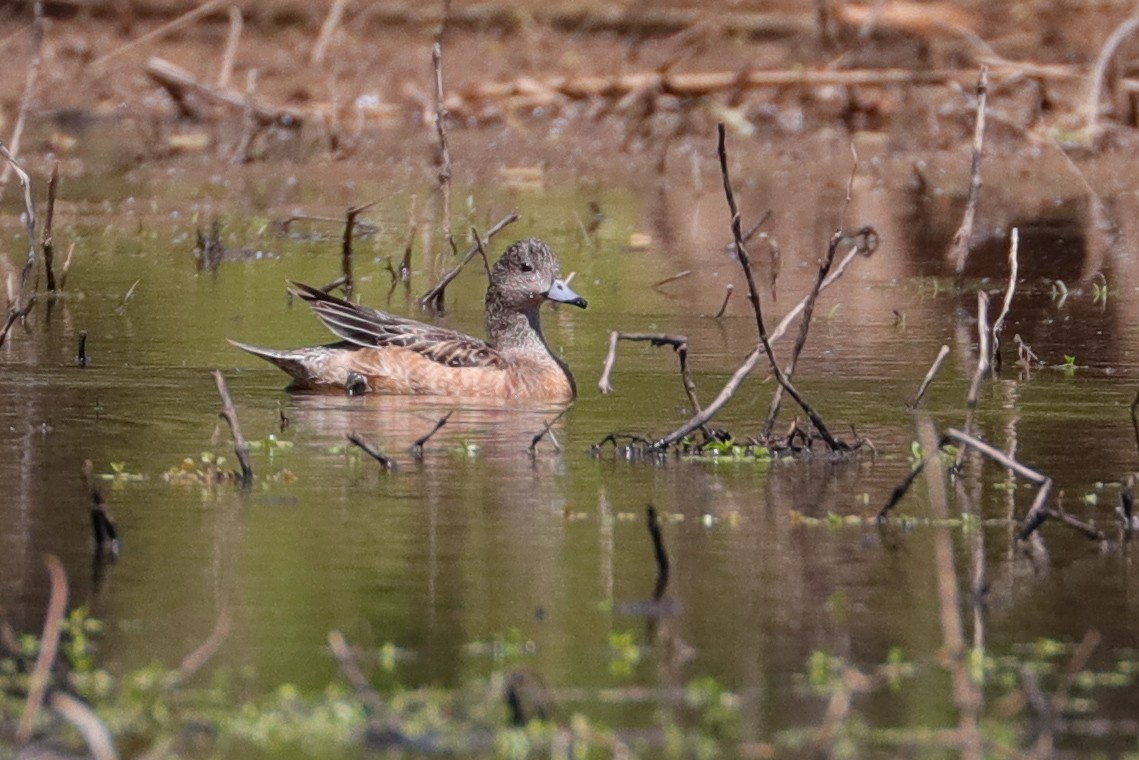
x: 46, y: 242
x: 433, y: 298
x: 240, y: 445
x: 29, y: 213
x: 412, y: 224
x: 912, y: 404
x: 1135, y: 419
x: 959, y: 253
x: 444, y: 148
x: 49, y: 646
x: 753, y: 296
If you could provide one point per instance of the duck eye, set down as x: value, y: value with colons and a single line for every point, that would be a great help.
x: 526, y: 266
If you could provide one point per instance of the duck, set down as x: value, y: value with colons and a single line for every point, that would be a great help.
x: 380, y: 352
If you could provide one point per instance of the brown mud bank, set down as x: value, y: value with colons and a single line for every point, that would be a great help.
x: 530, y: 87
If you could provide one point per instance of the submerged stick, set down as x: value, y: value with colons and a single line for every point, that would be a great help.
x: 433, y: 298
x: 46, y: 242
x: 444, y: 149
x: 913, y: 403
x: 417, y: 447
x: 240, y: 445
x: 659, y: 552
x: 959, y: 252
x: 546, y: 429
x: 81, y: 357
x: 103, y: 527
x: 727, y: 297
x: 49, y: 646
x: 385, y: 462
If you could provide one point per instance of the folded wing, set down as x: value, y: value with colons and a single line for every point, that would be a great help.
x: 368, y: 327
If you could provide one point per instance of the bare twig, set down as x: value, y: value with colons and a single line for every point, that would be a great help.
x: 679, y: 344
x: 30, y: 79
x: 412, y: 224
x: 959, y: 252
x: 672, y: 278
x: 444, y: 148
x: 546, y: 429
x: 81, y: 354
x: 804, y: 326
x: 983, y: 352
x: 417, y: 447
x: 753, y: 296
x: 999, y: 322
x: 181, y: 84
x: 29, y: 213
x: 912, y: 404
x: 1135, y: 419
x: 433, y: 298
x: 49, y: 646
x: 231, y: 41
x: 327, y: 30
x: 46, y: 242
x: 184, y: 20
x: 240, y: 445
x: 385, y: 462
x: 346, y: 245
x: 727, y: 297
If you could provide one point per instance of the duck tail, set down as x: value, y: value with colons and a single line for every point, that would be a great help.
x: 297, y: 363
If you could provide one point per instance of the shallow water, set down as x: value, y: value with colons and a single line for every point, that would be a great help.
x: 481, y: 542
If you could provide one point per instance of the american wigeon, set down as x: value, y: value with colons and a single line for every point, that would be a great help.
x: 383, y: 353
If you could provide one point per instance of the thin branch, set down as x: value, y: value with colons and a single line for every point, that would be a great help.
x: 959, y: 252
x: 46, y: 242
x: 327, y: 30
x: 659, y: 553
x: 240, y: 445
x: 804, y: 326
x: 546, y: 430
x: 197, y: 659
x: 30, y: 80
x: 433, y: 298
x: 999, y: 322
x: 346, y: 245
x: 184, y: 20
x: 85, y: 720
x: 236, y: 22
x: 444, y: 148
x: 913, y: 403
x: 753, y: 296
x: 385, y: 462
x: 727, y: 297
x: 417, y: 447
